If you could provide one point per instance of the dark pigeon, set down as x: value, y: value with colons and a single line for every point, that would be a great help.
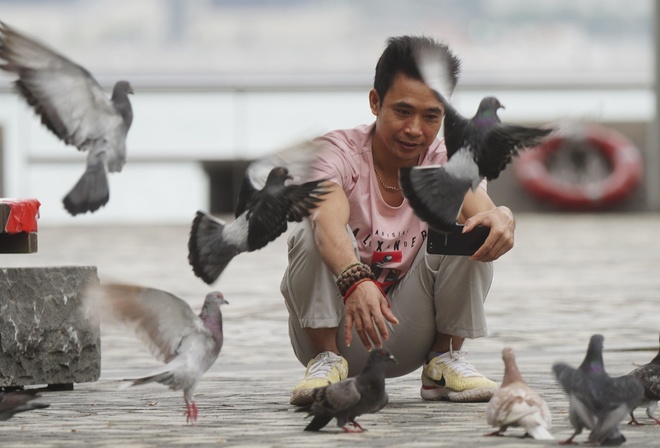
x: 649, y: 376
x: 262, y: 214
x: 188, y: 344
x: 348, y: 399
x: 516, y: 404
x: 12, y: 403
x: 597, y: 401
x: 74, y: 107
x: 477, y: 148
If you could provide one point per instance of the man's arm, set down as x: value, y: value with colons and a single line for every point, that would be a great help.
x: 366, y: 307
x: 479, y: 209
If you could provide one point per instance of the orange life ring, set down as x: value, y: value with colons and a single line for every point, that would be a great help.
x: 624, y: 158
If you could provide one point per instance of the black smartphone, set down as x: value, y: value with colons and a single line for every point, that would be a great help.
x: 456, y: 242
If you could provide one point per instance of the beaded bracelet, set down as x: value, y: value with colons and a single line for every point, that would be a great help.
x: 351, y: 275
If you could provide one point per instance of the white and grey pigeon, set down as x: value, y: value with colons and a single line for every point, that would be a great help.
x: 596, y: 400
x: 347, y: 399
x: 649, y: 376
x: 73, y: 106
x: 12, y: 403
x: 262, y: 214
x: 477, y: 148
x: 188, y: 344
x: 515, y: 404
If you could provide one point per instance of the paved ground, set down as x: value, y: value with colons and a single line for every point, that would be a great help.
x: 568, y: 277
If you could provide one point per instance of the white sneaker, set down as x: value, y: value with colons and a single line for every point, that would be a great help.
x: 324, y: 369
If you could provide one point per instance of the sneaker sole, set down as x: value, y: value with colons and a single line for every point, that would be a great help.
x: 302, y: 397
x: 480, y: 395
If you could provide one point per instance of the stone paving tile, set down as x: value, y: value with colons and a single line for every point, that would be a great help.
x: 568, y: 277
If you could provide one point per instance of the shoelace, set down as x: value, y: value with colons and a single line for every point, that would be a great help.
x: 457, y: 363
x: 321, y: 368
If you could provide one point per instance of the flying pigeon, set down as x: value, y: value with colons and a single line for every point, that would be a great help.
x: 477, y: 148
x: 597, y: 401
x: 187, y: 343
x: 649, y: 376
x: 73, y: 106
x: 516, y: 404
x: 262, y: 214
x: 347, y: 399
x: 18, y: 401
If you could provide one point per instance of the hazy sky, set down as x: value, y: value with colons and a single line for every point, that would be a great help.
x: 340, y: 39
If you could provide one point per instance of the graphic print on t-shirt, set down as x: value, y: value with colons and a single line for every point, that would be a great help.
x: 385, y: 276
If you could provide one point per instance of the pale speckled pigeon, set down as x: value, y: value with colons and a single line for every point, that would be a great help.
x: 347, y: 399
x: 515, y: 404
x: 12, y: 403
x: 477, y: 148
x: 75, y: 108
x: 649, y: 376
x: 262, y: 214
x: 187, y: 343
x: 597, y: 401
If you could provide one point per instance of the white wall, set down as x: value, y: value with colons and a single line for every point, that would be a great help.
x: 163, y: 181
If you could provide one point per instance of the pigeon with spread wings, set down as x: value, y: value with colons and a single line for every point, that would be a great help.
x: 262, y: 214
x: 477, y: 148
x: 187, y: 343
x: 74, y: 107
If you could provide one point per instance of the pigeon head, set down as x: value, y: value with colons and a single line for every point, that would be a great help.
x: 277, y: 176
x: 511, y: 372
x: 491, y: 103
x: 593, y: 361
x: 122, y: 88
x: 382, y: 356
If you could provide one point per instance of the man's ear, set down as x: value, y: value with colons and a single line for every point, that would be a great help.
x: 374, y: 101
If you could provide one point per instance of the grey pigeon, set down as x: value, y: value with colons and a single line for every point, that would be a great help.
x: 262, y: 214
x: 187, y: 343
x: 477, y: 148
x: 12, y: 403
x: 597, y: 401
x: 649, y: 376
x: 347, y: 399
x: 516, y: 404
x: 73, y: 106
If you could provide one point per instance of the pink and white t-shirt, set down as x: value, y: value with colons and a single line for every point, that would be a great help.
x: 388, y: 237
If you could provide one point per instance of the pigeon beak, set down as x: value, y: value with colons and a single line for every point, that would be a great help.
x: 502, y: 106
x: 393, y: 359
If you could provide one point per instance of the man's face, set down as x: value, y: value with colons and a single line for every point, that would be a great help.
x: 407, y: 120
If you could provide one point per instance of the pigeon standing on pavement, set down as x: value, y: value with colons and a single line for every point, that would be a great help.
x: 262, y: 214
x: 649, y: 376
x: 347, y: 399
x: 516, y: 404
x: 597, y: 401
x: 74, y: 107
x: 12, y: 403
x: 187, y: 343
x: 477, y: 148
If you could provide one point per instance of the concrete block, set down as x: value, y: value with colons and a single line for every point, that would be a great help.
x: 46, y: 335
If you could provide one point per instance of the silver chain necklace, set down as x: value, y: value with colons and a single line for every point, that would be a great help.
x: 387, y: 187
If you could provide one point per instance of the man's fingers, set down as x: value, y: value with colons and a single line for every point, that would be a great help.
x: 388, y: 314
x: 370, y: 330
x: 348, y: 330
x: 359, y: 327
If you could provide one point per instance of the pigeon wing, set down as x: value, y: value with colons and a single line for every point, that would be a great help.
x: 336, y: 398
x: 501, y: 143
x: 161, y: 320
x: 272, y: 210
x: 68, y: 99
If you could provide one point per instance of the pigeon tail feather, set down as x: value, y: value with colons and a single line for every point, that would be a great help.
x: 318, y: 422
x: 203, y: 233
x: 90, y: 193
x: 435, y: 195
x: 539, y: 433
